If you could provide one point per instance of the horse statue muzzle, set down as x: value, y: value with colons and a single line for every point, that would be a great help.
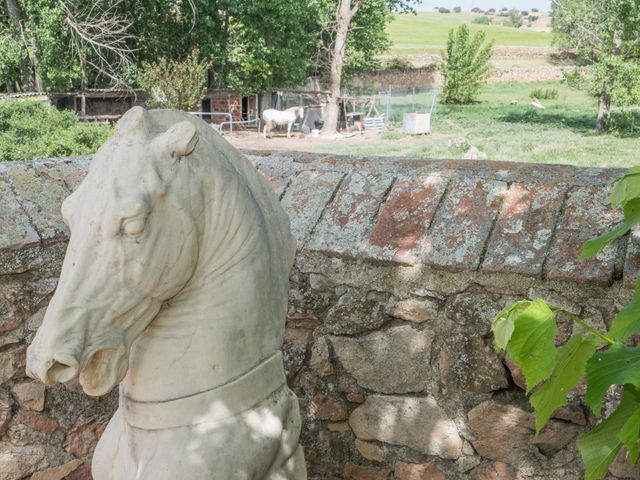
x: 174, y: 286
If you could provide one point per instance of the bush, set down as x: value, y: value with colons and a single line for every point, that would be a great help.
x: 483, y: 20
x: 544, y: 94
x: 533, y: 18
x: 535, y: 10
x: 515, y: 17
x: 504, y: 9
x: 476, y: 10
x: 491, y: 10
x: 176, y: 84
x: 624, y: 123
x: 457, y: 9
x: 31, y: 129
x: 524, y: 13
x: 444, y: 10
x: 397, y: 63
x: 465, y: 65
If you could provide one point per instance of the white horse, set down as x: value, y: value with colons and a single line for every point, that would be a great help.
x: 287, y: 117
x: 175, y: 282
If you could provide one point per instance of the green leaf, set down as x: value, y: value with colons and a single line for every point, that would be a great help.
x: 619, y: 365
x: 503, y: 323
x: 592, y: 247
x: 600, y: 446
x: 532, y: 345
x: 626, y: 188
x: 629, y: 433
x: 631, y: 218
x: 572, y: 358
x: 627, y: 321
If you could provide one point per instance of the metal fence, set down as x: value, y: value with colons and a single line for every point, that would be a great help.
x: 396, y: 101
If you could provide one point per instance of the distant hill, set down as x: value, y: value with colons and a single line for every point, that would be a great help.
x: 427, y: 32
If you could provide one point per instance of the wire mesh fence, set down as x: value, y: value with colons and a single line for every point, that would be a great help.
x: 396, y: 101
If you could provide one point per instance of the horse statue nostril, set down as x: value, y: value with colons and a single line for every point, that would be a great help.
x: 61, y: 372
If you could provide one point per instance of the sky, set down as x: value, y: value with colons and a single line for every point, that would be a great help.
x: 543, y: 5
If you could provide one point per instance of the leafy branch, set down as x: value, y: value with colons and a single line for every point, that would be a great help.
x: 527, y: 331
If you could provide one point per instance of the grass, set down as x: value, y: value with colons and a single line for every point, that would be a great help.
x: 427, y: 32
x: 561, y: 133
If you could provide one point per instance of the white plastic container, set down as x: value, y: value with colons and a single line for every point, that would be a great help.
x: 416, y: 123
x: 315, y: 133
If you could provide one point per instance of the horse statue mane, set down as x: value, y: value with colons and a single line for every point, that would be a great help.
x: 175, y: 286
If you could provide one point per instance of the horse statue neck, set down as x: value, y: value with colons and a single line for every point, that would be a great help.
x: 228, y: 318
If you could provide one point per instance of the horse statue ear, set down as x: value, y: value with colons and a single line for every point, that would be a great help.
x: 135, y: 122
x: 179, y: 140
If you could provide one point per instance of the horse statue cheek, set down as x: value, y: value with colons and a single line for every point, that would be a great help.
x: 174, y: 285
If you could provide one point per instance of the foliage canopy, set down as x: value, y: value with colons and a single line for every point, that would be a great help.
x: 605, y: 38
x: 175, y: 84
x: 254, y: 45
x: 465, y: 65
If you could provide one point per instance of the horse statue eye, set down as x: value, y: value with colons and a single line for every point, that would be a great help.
x: 133, y: 227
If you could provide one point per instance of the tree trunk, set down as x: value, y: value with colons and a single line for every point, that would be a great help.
x: 35, y: 61
x: 604, y: 112
x: 343, y: 21
x: 26, y: 69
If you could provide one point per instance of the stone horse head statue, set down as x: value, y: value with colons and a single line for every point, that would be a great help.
x: 174, y: 285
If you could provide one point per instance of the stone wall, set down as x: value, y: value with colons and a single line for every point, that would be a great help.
x: 401, y: 266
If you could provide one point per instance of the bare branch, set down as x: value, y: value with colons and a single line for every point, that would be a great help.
x: 105, y: 34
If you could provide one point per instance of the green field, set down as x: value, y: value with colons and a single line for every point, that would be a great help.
x: 561, y: 133
x: 427, y: 33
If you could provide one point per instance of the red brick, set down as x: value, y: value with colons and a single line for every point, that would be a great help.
x: 278, y: 174
x: 41, y: 193
x: 306, y: 198
x: 347, y: 223
x: 564, y: 263
x: 418, y: 471
x: 587, y: 215
x: 523, y: 230
x: 405, y: 217
x: 16, y: 229
x: 463, y: 222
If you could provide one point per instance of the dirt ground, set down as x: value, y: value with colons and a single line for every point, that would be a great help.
x: 252, y: 140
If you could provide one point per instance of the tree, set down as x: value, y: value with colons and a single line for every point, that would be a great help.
x: 100, y: 38
x: 63, y: 45
x: 605, y: 38
x: 23, y: 48
x: 71, y: 44
x: 176, y: 84
x: 457, y: 9
x: 465, y: 65
x: 515, y: 17
x: 342, y: 29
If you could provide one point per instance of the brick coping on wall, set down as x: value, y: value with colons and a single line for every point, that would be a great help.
x: 456, y: 215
